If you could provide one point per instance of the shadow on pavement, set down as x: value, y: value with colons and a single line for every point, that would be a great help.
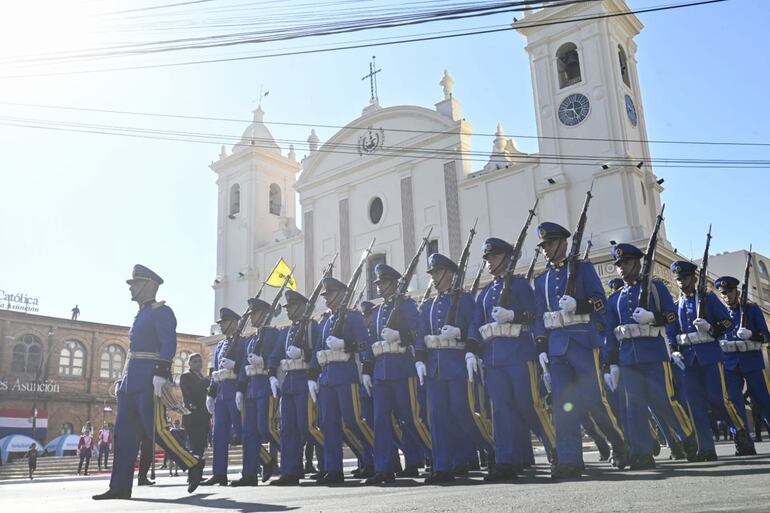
x: 201, y: 501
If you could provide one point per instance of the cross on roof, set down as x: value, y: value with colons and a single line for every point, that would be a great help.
x: 372, y: 76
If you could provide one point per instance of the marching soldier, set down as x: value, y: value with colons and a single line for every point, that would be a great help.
x: 257, y: 390
x: 298, y: 413
x: 696, y: 350
x: 336, y: 358
x: 447, y: 359
x: 510, y: 363
x: 140, y: 412
x: 742, y: 345
x: 569, y: 346
x: 365, y: 398
x: 389, y: 375
x: 228, y: 360
x: 635, y: 340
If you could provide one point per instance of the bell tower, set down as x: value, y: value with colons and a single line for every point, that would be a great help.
x: 590, y: 119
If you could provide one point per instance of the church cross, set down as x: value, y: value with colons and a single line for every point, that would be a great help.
x: 372, y: 76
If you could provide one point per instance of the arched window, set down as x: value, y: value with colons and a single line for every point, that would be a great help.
x: 235, y: 199
x: 275, y: 199
x: 180, y: 363
x: 113, y: 359
x: 568, y: 65
x: 371, y: 288
x: 27, y: 355
x: 72, y: 359
x: 623, y: 61
x: 762, y: 269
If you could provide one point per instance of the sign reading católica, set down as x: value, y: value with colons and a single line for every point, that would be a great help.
x: 18, y: 301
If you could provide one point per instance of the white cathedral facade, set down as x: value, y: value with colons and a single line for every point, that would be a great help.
x: 397, y: 172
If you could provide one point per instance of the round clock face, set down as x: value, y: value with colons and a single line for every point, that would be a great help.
x: 631, y: 111
x: 574, y: 109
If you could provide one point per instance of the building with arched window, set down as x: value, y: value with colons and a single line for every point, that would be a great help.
x: 68, y: 369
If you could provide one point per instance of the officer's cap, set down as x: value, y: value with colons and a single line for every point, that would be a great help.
x: 493, y: 246
x: 141, y: 272
x: 623, y: 250
x: 225, y: 314
x: 366, y: 306
x: 331, y: 285
x: 385, y: 272
x: 726, y: 283
x: 683, y: 268
x: 615, y: 284
x: 258, y: 304
x: 551, y: 231
x: 437, y: 261
x: 294, y: 298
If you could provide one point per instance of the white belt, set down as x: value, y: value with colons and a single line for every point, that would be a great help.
x: 562, y: 319
x: 500, y: 329
x: 383, y: 347
x: 257, y: 368
x: 223, y: 375
x: 695, y: 337
x: 626, y: 331
x: 327, y: 356
x: 437, y: 342
x: 739, y: 346
x: 292, y: 365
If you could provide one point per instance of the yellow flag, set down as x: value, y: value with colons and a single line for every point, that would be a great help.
x: 279, y: 274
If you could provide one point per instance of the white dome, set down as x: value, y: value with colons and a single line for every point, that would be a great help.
x: 257, y: 135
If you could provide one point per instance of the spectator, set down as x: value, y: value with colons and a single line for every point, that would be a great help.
x: 194, y: 391
x: 86, y: 427
x: 85, y: 446
x: 31, y: 456
x: 104, y: 444
x: 75, y: 313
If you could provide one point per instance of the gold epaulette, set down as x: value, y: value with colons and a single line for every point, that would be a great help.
x: 158, y: 304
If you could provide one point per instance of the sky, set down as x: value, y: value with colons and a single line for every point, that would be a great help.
x: 81, y: 208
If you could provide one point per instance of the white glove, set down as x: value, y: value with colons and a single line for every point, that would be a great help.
x: 612, y: 378
x: 389, y: 335
x: 643, y: 316
x: 547, y: 380
x: 678, y: 359
x: 294, y: 352
x: 366, y: 381
x: 450, y: 333
x: 471, y: 365
x: 239, y: 400
x: 744, y: 333
x: 543, y: 357
x: 702, y: 325
x: 248, y: 368
x: 312, y: 387
x: 226, y: 363
x: 502, y: 315
x: 421, y: 372
x: 157, y: 384
x: 252, y: 358
x: 335, y: 343
x: 210, y: 404
x: 567, y: 304
x: 274, y: 385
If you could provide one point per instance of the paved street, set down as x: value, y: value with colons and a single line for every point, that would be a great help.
x: 731, y: 484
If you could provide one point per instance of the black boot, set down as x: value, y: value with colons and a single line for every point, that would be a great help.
x: 461, y: 470
x: 285, y: 481
x: 619, y: 458
x: 332, y: 478
x: 565, y: 471
x: 604, y: 450
x: 381, y: 478
x: 366, y: 472
x: 439, y: 477
x: 112, y: 494
x: 690, y: 448
x: 655, y: 447
x: 143, y: 481
x: 642, y: 462
x: 501, y: 472
x: 268, y: 469
x: 195, y: 476
x: 245, y: 481
x: 744, y: 446
x: 707, y: 456
x: 215, y: 480
x: 409, y: 471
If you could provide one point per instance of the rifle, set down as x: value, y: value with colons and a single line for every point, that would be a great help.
x: 403, y: 286
x: 745, y: 291
x: 589, y: 244
x: 505, y: 295
x: 358, y: 300
x: 269, y: 317
x: 645, y: 276
x: 702, y: 289
x: 459, y: 278
x: 304, y: 322
x: 477, y: 281
x: 342, y: 312
x: 531, y: 270
x: 577, y: 239
x: 426, y: 296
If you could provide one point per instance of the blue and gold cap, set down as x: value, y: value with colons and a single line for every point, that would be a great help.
x: 551, y: 231
x: 332, y: 285
x: 141, y: 272
x: 623, y: 250
x: 683, y: 268
x: 493, y: 246
x: 258, y: 304
x: 385, y: 272
x: 225, y: 314
x: 726, y: 283
x: 438, y: 261
x: 616, y: 283
x: 294, y: 298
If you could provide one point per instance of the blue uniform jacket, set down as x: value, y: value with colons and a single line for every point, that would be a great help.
x: 747, y: 361
x: 294, y: 382
x: 501, y: 351
x: 620, y: 307
x: 226, y: 390
x: 153, y: 331
x: 719, y: 318
x: 444, y: 363
x: 392, y: 366
x: 356, y: 335
x: 590, y: 297
x: 257, y: 387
